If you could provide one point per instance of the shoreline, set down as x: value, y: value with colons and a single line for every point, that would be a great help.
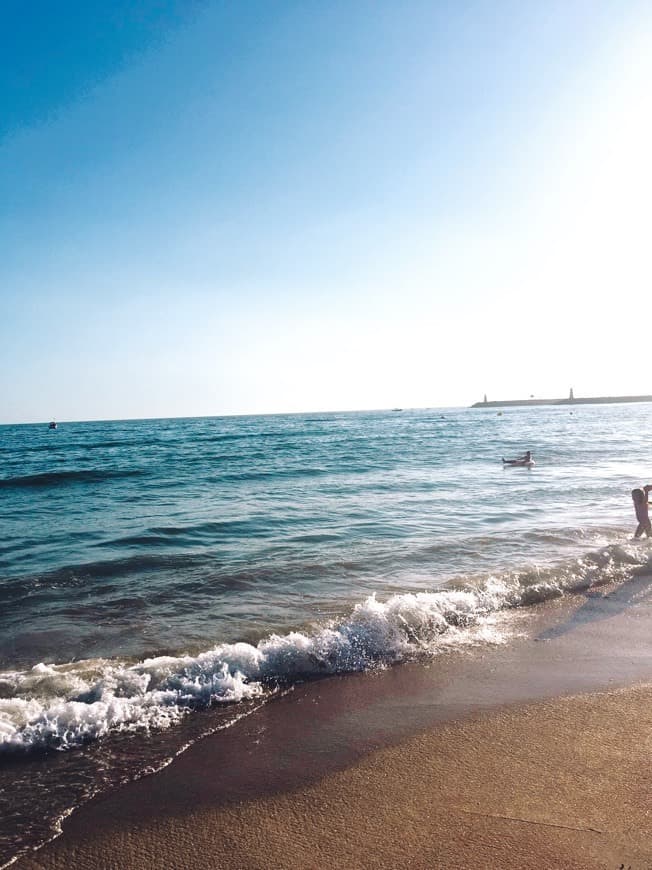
x: 326, y: 775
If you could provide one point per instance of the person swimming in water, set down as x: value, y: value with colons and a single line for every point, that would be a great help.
x: 641, y: 507
x: 525, y: 459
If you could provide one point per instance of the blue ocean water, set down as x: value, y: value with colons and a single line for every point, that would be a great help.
x: 153, y: 571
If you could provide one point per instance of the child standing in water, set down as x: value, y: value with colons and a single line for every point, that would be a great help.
x: 641, y: 504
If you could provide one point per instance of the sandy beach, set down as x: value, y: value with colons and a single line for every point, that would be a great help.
x: 532, y: 754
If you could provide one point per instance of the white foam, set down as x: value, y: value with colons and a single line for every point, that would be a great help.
x: 65, y: 705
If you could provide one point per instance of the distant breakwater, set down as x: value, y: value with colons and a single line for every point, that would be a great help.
x: 594, y: 400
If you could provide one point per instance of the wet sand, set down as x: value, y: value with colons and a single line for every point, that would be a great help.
x: 532, y: 754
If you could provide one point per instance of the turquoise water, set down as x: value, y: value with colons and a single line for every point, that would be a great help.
x: 153, y: 570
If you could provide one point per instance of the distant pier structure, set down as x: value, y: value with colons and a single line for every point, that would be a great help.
x: 571, y: 400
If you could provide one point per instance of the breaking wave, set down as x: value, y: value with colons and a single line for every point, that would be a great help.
x: 64, y: 705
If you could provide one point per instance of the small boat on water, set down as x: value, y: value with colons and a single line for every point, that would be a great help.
x: 52, y: 425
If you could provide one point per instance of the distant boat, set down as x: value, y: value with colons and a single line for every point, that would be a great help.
x: 397, y: 409
x: 52, y: 425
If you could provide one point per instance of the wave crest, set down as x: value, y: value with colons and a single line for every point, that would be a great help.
x: 59, y: 478
x: 61, y: 706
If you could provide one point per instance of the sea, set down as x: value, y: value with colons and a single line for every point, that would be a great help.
x: 161, y: 579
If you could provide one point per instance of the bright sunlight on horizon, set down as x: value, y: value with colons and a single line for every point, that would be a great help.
x: 211, y: 208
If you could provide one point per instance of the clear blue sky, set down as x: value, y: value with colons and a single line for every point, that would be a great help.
x: 248, y: 207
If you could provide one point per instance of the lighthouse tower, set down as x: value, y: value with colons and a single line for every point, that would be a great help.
x: 571, y: 397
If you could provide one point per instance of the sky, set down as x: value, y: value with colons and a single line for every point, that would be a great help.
x: 222, y: 207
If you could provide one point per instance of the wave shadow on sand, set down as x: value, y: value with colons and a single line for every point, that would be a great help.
x: 598, y: 606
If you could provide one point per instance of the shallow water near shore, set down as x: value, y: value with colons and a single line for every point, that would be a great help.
x: 160, y: 579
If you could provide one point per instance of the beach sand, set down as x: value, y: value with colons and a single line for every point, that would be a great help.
x: 528, y: 755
